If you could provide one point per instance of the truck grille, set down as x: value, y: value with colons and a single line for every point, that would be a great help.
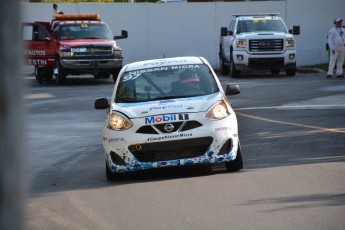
x: 93, y: 51
x: 263, y: 45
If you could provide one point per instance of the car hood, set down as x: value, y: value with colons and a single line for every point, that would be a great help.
x: 181, y: 105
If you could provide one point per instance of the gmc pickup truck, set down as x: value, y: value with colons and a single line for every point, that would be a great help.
x: 257, y: 41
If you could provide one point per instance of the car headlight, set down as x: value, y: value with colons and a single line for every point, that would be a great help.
x: 241, y: 43
x: 119, y: 122
x: 290, y: 42
x: 218, y: 111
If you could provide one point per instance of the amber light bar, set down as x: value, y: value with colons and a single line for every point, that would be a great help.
x: 62, y: 17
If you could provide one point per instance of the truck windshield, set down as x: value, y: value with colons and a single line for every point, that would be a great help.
x: 84, y: 31
x: 260, y: 25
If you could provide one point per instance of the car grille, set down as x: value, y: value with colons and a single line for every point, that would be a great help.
x: 94, y: 51
x: 171, y: 150
x: 178, y: 126
x: 262, y: 45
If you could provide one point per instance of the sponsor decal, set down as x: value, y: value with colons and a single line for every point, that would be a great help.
x: 135, y: 74
x: 168, y: 137
x: 39, y: 62
x: 158, y: 107
x: 166, y: 118
x: 35, y: 52
x: 222, y: 129
x: 119, y: 139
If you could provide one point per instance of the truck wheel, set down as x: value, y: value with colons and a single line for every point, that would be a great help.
x: 38, y: 74
x: 234, y: 71
x: 42, y: 74
x: 237, y: 163
x: 61, y: 75
x: 290, y: 72
x: 224, y: 69
x: 115, y: 73
x: 275, y: 71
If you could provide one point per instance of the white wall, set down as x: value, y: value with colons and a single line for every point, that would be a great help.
x: 179, y: 29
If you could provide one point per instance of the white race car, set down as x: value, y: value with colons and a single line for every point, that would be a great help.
x: 169, y: 112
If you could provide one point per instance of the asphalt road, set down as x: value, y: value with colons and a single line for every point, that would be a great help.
x: 292, y: 132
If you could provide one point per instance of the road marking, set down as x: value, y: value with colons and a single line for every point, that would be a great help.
x: 332, y: 130
x: 37, y: 96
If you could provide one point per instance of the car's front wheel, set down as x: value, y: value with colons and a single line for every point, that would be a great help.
x: 237, y: 163
x: 111, y: 176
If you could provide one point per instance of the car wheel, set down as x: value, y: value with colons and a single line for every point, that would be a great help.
x: 61, y: 75
x: 237, y: 163
x: 111, y: 176
x: 224, y: 69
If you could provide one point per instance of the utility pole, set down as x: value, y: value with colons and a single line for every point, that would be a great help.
x: 12, y: 181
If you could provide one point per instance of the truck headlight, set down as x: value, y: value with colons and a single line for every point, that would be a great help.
x: 66, y: 53
x: 241, y: 43
x: 289, y: 42
x: 118, y: 53
x: 217, y: 111
x: 117, y: 121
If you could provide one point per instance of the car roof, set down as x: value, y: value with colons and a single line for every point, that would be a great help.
x: 153, y: 63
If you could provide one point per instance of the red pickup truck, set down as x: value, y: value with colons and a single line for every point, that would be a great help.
x: 72, y: 44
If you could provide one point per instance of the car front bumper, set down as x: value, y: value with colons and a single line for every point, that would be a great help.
x: 213, y: 142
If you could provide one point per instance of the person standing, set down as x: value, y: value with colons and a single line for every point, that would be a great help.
x: 336, y: 43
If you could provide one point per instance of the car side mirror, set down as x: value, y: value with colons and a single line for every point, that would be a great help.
x: 102, y: 103
x: 232, y: 89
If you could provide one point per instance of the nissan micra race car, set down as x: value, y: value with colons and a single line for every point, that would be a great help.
x: 169, y: 112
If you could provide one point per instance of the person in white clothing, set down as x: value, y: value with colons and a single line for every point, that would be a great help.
x: 336, y: 43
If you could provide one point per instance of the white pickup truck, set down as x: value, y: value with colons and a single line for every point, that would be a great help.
x: 257, y: 41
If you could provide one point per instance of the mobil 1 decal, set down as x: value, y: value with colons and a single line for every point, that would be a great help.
x: 166, y: 118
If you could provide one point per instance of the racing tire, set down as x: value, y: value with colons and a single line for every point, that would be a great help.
x: 290, y: 72
x: 111, y: 176
x: 115, y: 73
x: 61, y: 75
x: 237, y: 163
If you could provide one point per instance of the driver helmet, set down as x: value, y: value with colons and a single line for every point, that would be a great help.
x: 189, y: 78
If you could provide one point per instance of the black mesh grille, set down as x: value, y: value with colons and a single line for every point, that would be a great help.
x: 171, y: 150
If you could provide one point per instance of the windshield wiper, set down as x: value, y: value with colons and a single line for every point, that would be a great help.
x: 167, y: 97
x: 126, y: 99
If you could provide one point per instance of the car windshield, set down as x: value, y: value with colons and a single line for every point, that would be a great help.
x: 165, y: 82
x: 260, y: 25
x: 84, y: 31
